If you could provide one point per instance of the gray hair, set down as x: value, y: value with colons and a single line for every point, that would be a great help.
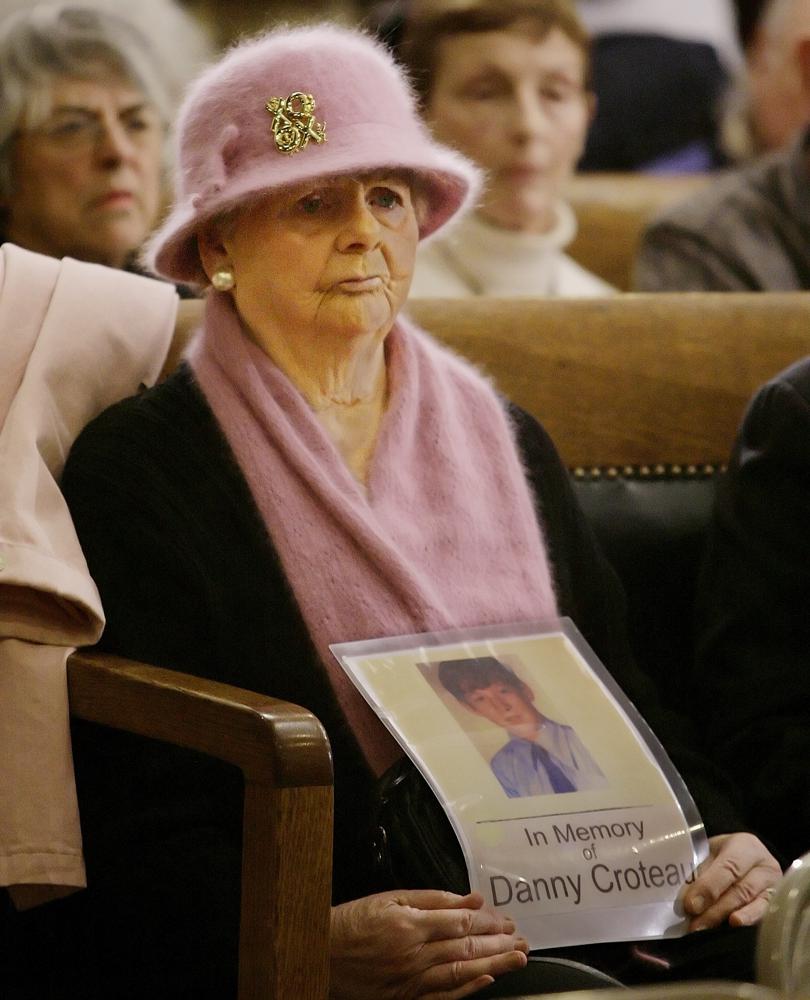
x: 52, y: 40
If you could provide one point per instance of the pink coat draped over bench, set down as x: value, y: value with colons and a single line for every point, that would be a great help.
x: 74, y: 338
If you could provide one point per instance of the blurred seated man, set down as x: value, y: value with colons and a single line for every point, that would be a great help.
x: 84, y: 110
x: 767, y: 107
x: 749, y: 230
x: 752, y: 678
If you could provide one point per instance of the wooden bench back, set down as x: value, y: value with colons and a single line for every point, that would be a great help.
x: 634, y: 379
x: 613, y: 209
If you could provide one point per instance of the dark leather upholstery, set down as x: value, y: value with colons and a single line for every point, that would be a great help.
x: 651, y: 523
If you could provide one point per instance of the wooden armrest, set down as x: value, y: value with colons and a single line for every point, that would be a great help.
x: 284, y: 755
x: 269, y: 740
x: 634, y: 379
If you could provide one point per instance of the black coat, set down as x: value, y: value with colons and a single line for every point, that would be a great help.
x: 189, y: 580
x: 753, y: 668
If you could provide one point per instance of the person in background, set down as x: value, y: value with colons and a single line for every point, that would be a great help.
x: 768, y: 104
x: 753, y: 621
x: 507, y: 84
x: 779, y: 89
x: 182, y: 42
x: 660, y: 71
x: 750, y: 229
x: 83, y: 111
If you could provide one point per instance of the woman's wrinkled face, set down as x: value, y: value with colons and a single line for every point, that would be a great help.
x: 87, y: 179
x: 332, y: 258
x: 518, y: 106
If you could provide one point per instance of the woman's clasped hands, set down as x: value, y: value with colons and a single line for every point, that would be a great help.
x: 436, y: 945
x: 429, y: 944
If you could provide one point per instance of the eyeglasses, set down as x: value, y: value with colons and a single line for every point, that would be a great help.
x: 78, y: 130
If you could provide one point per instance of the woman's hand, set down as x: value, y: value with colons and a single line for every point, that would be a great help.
x: 732, y: 883
x: 419, y: 943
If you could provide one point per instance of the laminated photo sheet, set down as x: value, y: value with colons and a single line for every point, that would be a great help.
x: 570, y: 815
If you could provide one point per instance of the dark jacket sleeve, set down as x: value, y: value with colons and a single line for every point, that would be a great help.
x: 674, y: 258
x: 589, y: 592
x: 160, y: 916
x: 752, y: 678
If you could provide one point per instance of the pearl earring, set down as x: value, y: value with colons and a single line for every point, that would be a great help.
x: 223, y: 279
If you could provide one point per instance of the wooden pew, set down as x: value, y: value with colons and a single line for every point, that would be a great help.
x: 634, y: 380
x: 612, y: 211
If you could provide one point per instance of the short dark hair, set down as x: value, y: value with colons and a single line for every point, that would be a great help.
x: 424, y: 34
x: 460, y: 677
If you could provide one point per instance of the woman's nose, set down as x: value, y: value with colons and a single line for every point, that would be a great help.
x: 361, y: 229
x: 113, y: 143
x: 529, y: 118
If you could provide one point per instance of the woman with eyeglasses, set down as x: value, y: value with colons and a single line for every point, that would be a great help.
x: 83, y: 107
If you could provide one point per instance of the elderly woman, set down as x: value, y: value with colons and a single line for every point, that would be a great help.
x: 83, y: 106
x: 506, y: 82
x: 320, y: 470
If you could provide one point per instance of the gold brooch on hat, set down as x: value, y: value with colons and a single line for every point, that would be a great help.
x: 294, y: 122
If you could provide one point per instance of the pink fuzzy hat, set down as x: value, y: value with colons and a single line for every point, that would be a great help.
x: 248, y: 126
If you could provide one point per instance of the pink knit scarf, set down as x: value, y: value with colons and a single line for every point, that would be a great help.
x: 445, y: 534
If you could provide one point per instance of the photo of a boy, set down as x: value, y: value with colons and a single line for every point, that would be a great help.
x: 541, y: 757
